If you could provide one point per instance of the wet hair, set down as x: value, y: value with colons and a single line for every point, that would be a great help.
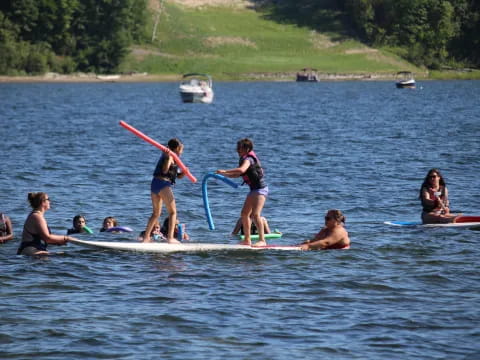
x: 156, y: 223
x: 174, y: 143
x: 337, y: 215
x: 164, y: 228
x: 78, y: 217
x: 426, y: 180
x: 36, y: 198
x: 114, y: 221
x: 245, y: 144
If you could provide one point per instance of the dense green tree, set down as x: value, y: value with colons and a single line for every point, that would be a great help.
x: 466, y: 45
x: 101, y: 38
x: 94, y: 35
x: 66, y: 35
x: 431, y: 32
x: 8, y: 43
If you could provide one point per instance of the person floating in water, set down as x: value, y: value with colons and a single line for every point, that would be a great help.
x: 332, y: 236
x: 434, y: 198
x: 108, y: 223
x: 155, y: 234
x: 79, y: 224
x: 6, y: 229
x: 250, y: 169
x: 165, y: 227
x: 253, y: 229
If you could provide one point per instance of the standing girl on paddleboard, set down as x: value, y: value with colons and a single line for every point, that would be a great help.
x: 164, y: 178
x: 434, y: 197
x: 250, y: 169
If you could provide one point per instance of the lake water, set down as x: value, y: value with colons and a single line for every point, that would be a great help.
x: 362, y: 147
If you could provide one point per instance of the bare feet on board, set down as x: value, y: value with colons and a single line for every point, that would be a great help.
x: 260, y: 243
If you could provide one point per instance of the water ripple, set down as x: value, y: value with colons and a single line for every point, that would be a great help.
x: 398, y: 293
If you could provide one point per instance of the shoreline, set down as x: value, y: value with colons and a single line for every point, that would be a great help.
x: 122, y: 78
x: 260, y: 76
x: 87, y: 78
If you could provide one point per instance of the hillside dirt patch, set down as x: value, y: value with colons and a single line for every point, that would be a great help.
x: 228, y: 3
x: 214, y: 41
x: 320, y: 41
x: 361, y: 51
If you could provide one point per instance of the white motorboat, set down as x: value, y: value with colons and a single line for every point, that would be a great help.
x: 196, y: 88
x: 307, y: 75
x: 405, y: 79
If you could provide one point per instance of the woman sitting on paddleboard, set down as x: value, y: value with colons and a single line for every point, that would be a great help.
x: 332, y: 236
x: 434, y: 197
x: 36, y: 234
x: 251, y: 171
x: 164, y: 178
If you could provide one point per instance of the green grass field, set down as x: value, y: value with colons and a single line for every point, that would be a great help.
x: 231, y: 43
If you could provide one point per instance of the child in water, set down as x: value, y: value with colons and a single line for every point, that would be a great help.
x: 164, y: 230
x: 155, y: 234
x: 253, y: 229
x: 108, y: 223
x: 79, y: 224
x: 6, y: 229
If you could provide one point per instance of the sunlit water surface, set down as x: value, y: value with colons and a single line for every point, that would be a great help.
x: 362, y: 147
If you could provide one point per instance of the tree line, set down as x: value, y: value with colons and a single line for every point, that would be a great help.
x: 68, y: 35
x: 94, y: 35
x: 431, y: 33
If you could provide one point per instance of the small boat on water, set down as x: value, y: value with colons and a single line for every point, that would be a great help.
x: 404, y: 79
x: 108, y: 77
x: 196, y: 88
x: 307, y: 75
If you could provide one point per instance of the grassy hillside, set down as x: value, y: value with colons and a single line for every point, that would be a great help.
x: 241, y: 43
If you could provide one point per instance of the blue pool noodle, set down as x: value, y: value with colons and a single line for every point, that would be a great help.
x: 205, y: 194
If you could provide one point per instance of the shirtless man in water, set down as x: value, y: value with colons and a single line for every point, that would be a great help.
x: 332, y: 236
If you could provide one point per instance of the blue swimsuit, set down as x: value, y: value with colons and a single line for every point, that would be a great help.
x: 158, y: 184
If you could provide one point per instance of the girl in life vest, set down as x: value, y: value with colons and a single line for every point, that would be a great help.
x: 250, y: 169
x: 164, y: 176
x: 434, y: 197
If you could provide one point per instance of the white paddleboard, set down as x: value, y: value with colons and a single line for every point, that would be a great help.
x: 471, y: 225
x: 154, y: 247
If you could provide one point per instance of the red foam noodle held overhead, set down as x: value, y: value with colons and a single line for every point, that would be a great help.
x: 161, y: 147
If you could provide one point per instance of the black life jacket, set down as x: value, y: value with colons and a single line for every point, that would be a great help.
x: 254, y: 175
x: 171, y: 173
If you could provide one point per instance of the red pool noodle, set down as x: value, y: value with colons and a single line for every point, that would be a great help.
x: 161, y: 147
